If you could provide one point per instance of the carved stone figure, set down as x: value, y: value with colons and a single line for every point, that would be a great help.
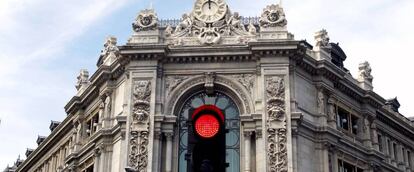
x: 322, y: 38
x: 273, y: 16
x: 184, y: 26
x: 236, y: 25
x: 364, y: 73
x: 110, y: 51
x: 83, y: 79
x: 168, y: 31
x: 331, y: 109
x: 252, y: 29
x: 321, y: 102
x: 146, y: 20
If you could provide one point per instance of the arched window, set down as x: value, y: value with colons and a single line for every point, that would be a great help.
x: 232, y: 128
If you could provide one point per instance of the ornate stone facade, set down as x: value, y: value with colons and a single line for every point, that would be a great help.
x: 288, y: 106
x: 139, y: 127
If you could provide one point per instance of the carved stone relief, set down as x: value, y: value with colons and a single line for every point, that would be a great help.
x: 364, y: 73
x: 247, y: 80
x: 146, y: 20
x: 139, y: 129
x: 192, y: 29
x: 276, y: 125
x: 273, y: 16
x: 110, y: 52
x: 172, y: 82
x: 321, y: 102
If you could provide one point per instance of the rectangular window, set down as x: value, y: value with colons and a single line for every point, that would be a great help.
x: 354, y: 124
x: 347, y: 167
x: 347, y: 121
x: 343, y: 120
x: 409, y: 159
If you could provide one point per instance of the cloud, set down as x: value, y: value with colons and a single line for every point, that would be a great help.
x: 34, y: 36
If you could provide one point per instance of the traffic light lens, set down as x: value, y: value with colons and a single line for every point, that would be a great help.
x: 207, y: 126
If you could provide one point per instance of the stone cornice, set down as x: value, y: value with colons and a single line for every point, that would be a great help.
x: 55, y: 136
x: 297, y: 51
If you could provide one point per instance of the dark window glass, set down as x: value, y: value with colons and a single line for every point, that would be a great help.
x: 354, y: 124
x: 343, y: 116
x: 232, y: 124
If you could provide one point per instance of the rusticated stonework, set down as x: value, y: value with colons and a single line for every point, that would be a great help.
x: 276, y: 125
x: 139, y: 131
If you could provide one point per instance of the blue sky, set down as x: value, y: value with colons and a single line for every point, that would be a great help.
x: 44, y: 44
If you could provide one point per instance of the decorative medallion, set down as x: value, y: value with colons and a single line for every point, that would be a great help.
x: 146, y: 20
x: 273, y: 16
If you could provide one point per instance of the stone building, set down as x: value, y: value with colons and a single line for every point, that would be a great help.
x: 215, y: 91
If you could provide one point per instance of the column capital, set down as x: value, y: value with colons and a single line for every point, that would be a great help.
x: 248, y: 133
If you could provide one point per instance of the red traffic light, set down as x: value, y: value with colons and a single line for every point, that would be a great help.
x: 207, y: 126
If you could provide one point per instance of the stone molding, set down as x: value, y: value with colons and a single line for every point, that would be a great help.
x: 199, y: 80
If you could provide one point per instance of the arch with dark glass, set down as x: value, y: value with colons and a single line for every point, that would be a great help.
x: 231, y: 132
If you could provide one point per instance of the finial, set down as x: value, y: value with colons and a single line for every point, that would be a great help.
x: 280, y: 3
x: 150, y: 6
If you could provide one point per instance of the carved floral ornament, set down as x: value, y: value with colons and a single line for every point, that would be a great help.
x: 146, y: 20
x: 276, y: 125
x: 139, y: 128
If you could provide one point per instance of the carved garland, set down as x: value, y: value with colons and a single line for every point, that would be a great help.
x: 276, y: 123
x: 139, y: 131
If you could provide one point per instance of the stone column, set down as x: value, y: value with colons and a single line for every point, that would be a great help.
x: 247, y: 149
x: 393, y: 158
x: 157, y: 150
x: 387, y: 149
x: 412, y: 161
x: 101, y: 115
x: 97, y: 160
x: 374, y: 135
x: 168, y: 151
x: 400, y: 157
x: 367, y: 132
x: 334, y: 159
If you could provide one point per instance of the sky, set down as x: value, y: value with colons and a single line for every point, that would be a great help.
x: 44, y: 44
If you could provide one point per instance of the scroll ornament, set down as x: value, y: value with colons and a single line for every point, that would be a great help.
x: 139, y: 131
x: 276, y: 125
